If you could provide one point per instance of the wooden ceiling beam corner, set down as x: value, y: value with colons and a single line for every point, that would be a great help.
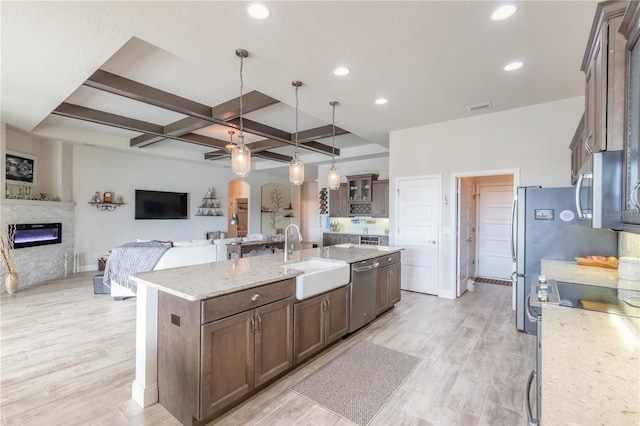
x: 177, y: 128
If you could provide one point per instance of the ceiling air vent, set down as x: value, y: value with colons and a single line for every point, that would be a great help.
x: 479, y: 106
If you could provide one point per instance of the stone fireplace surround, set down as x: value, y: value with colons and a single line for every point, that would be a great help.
x: 41, y: 263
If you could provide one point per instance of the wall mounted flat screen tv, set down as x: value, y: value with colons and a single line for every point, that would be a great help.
x: 161, y: 205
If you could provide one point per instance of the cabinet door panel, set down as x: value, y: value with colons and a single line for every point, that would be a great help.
x: 394, y: 284
x: 273, y: 339
x: 337, y: 315
x: 227, y: 353
x: 308, y: 328
x: 382, y: 293
x: 380, y: 199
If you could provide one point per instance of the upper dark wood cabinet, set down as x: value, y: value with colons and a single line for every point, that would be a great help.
x: 630, y: 28
x: 338, y: 206
x: 604, y: 67
x: 380, y: 201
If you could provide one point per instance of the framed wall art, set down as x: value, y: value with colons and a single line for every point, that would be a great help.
x: 21, y: 168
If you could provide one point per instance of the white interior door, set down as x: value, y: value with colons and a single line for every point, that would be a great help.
x: 494, y: 232
x: 418, y: 207
x: 466, y: 233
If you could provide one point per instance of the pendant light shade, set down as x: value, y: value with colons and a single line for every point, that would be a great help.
x: 333, y: 175
x: 333, y: 178
x: 241, y: 158
x: 296, y: 167
x: 296, y: 170
x: 241, y: 154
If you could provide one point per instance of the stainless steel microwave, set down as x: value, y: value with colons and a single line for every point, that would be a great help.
x: 599, y: 190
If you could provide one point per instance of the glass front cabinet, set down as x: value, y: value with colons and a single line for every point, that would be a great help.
x: 360, y: 187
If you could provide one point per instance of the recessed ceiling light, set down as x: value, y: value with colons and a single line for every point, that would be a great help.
x: 504, y: 12
x: 341, y: 71
x: 381, y: 101
x: 513, y: 66
x: 258, y: 11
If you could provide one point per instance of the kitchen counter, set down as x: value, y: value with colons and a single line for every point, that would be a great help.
x: 208, y: 280
x: 590, y: 367
x: 570, y: 271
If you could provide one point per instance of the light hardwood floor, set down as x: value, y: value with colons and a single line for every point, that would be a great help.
x: 68, y: 357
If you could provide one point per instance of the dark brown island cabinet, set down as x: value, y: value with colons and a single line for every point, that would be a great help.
x: 319, y: 322
x: 214, y: 353
x: 388, y: 282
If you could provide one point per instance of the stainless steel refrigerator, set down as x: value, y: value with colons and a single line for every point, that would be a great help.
x: 547, y: 226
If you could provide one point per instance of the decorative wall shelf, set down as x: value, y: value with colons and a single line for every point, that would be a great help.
x: 210, y: 205
x: 106, y: 207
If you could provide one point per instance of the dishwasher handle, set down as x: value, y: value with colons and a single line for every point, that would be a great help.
x: 366, y: 268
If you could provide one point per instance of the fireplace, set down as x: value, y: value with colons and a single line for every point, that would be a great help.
x: 37, y: 234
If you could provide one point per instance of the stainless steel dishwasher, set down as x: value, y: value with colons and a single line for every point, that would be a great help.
x: 363, y: 293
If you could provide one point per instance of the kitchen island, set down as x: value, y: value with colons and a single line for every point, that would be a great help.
x: 200, y: 286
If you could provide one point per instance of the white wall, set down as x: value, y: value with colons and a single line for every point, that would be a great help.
x: 534, y: 139
x: 122, y: 173
x: 49, y: 155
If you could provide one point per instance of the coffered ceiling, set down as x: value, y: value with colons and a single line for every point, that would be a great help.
x: 162, y: 78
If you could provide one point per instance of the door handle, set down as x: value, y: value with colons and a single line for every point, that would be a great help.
x: 252, y: 326
x: 581, y: 178
x: 514, y: 208
x: 259, y: 325
x: 468, y: 240
x: 433, y: 242
x: 586, y: 143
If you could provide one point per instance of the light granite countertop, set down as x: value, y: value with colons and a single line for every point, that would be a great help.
x: 570, y: 271
x: 199, y: 282
x: 590, y: 367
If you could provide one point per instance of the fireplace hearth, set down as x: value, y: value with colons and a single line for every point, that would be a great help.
x: 37, y: 234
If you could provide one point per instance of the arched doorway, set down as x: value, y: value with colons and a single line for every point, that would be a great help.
x: 239, y: 192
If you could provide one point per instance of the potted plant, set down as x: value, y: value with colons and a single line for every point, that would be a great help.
x: 7, y: 235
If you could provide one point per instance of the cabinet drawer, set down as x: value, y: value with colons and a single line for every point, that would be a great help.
x: 230, y: 304
x: 388, y: 259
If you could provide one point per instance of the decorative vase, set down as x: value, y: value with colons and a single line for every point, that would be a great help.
x: 11, y: 282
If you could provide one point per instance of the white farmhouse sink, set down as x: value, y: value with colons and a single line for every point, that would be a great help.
x: 320, y: 275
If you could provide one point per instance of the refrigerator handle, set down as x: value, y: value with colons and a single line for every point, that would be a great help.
x: 513, y: 229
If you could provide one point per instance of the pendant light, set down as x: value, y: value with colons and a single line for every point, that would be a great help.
x: 240, y: 154
x: 230, y: 145
x: 333, y: 175
x: 296, y: 167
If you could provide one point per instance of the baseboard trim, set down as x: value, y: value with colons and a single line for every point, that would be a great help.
x: 144, y: 397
